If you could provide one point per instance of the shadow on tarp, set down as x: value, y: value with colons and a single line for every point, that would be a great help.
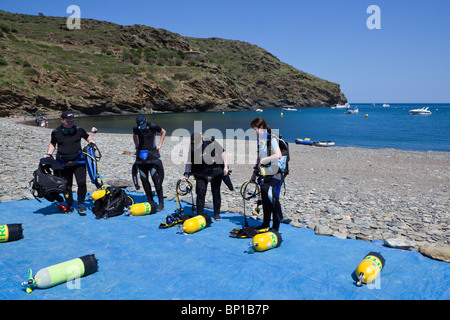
x: 137, y: 260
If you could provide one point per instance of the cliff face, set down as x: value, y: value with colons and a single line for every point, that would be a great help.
x: 107, y: 68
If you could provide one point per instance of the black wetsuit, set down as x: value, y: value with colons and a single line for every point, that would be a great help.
x: 207, y: 166
x: 146, y: 164
x: 69, y: 153
x: 270, y: 196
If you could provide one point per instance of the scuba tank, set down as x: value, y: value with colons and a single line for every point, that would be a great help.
x: 98, y: 194
x: 141, y: 209
x: 11, y: 232
x: 61, y: 272
x: 369, y: 268
x: 265, y: 241
x: 194, y: 224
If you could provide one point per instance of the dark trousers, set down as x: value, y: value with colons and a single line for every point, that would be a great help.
x: 200, y: 189
x: 157, y: 173
x: 79, y: 171
x: 270, y: 193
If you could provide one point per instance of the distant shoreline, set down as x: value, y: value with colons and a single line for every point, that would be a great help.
x: 30, y: 122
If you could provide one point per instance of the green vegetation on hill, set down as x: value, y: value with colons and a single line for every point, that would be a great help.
x: 109, y: 68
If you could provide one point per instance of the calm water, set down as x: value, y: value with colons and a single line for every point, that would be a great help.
x: 391, y: 127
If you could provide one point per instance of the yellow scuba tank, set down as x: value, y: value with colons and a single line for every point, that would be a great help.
x: 141, y: 209
x: 98, y: 194
x: 194, y: 224
x: 369, y: 268
x: 265, y: 241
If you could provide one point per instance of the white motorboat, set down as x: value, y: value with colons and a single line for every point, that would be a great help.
x: 386, y: 105
x: 259, y: 110
x: 289, y: 108
x: 341, y: 106
x: 421, y: 111
x: 354, y: 111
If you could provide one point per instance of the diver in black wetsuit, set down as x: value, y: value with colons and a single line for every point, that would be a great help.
x: 207, y: 162
x: 67, y: 140
x: 148, y: 158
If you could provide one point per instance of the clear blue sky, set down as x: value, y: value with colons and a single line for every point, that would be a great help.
x: 407, y: 60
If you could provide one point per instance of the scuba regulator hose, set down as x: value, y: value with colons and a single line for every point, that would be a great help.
x: 250, y: 189
x: 182, y: 188
x: 93, y: 169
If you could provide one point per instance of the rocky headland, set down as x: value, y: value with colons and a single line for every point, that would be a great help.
x: 105, y: 68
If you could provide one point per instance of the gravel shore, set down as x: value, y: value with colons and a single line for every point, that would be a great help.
x: 400, y: 197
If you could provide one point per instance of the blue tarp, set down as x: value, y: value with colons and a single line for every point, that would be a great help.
x: 137, y: 260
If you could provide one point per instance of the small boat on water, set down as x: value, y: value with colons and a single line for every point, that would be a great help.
x: 354, y: 111
x: 386, y: 105
x: 259, y: 110
x: 341, y: 106
x: 421, y: 111
x: 289, y: 108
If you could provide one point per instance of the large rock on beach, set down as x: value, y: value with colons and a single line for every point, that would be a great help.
x: 436, y: 252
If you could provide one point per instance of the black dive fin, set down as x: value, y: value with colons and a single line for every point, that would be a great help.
x: 134, y: 174
x: 247, y: 232
x: 240, y: 234
x: 173, y: 220
x: 235, y: 230
x: 165, y: 225
x: 226, y: 179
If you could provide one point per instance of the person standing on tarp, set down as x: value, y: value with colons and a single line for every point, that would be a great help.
x: 267, y: 174
x: 66, y: 139
x: 207, y: 162
x: 148, y: 158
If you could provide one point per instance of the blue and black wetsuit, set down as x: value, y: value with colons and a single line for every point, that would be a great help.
x: 68, y: 141
x: 149, y: 163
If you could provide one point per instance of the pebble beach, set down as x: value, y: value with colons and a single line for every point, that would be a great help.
x: 399, y: 197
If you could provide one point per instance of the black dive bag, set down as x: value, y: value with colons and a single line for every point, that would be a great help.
x: 46, y: 182
x: 112, y: 204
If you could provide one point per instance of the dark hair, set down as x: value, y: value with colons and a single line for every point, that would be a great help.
x: 196, y: 138
x: 260, y: 123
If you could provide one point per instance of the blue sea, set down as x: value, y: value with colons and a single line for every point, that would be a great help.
x: 373, y: 127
